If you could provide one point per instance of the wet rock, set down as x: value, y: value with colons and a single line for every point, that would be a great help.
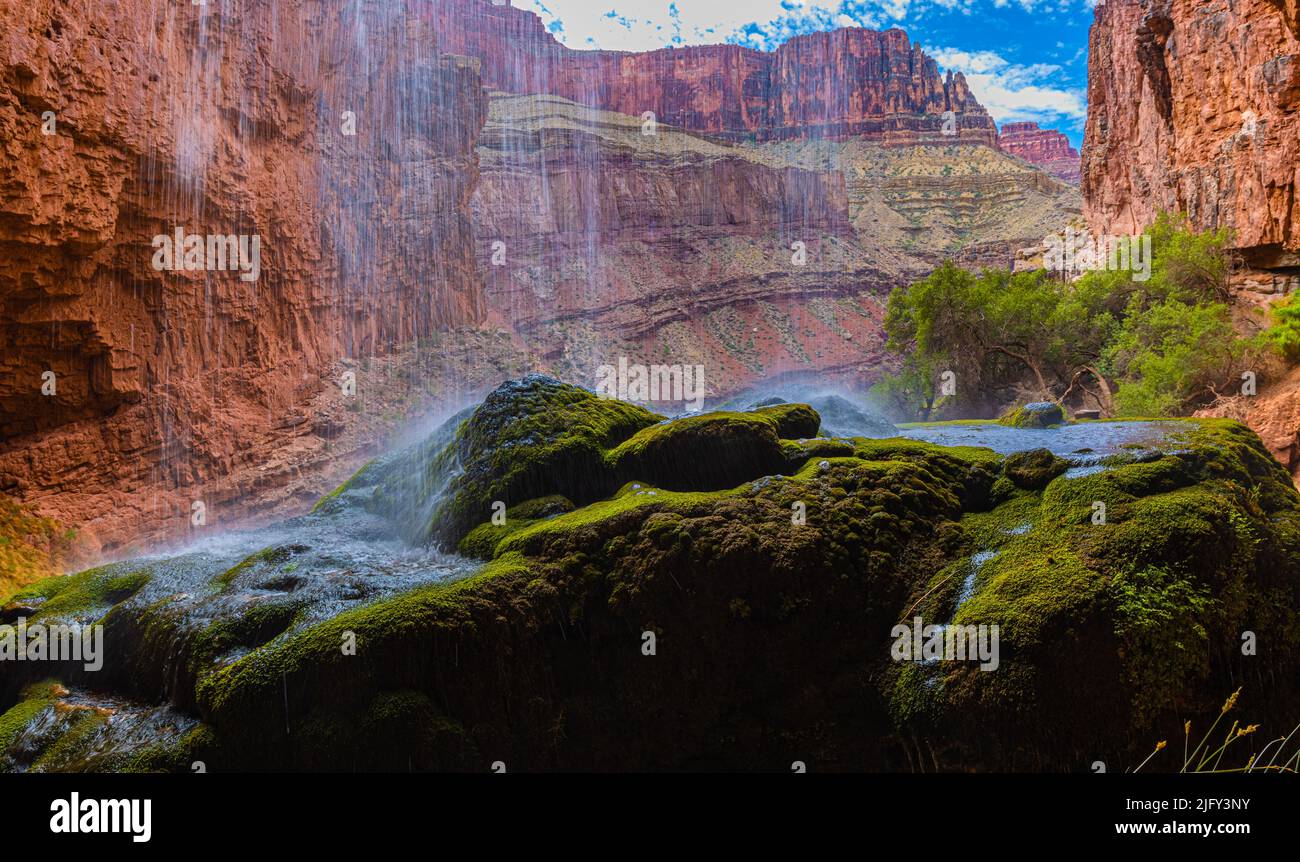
x: 1034, y: 469
x: 1037, y: 414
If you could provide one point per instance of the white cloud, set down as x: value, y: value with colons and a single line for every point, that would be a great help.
x: 1012, y: 92
x: 643, y: 25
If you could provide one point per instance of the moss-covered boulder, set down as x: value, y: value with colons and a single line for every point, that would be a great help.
x: 665, y: 615
x: 1038, y: 414
x: 529, y: 438
x: 538, y: 438
x: 1032, y: 470
x: 706, y: 452
x: 1121, y: 598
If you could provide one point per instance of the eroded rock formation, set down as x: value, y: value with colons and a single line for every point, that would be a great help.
x: 1192, y: 108
x: 125, y: 120
x: 836, y: 84
x: 1047, y: 148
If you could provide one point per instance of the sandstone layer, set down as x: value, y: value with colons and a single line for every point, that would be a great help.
x: 600, y: 241
x: 842, y: 83
x: 1046, y: 148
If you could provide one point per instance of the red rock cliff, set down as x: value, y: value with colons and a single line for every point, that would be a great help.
x: 224, y: 118
x: 834, y: 84
x: 1046, y: 148
x: 1192, y: 106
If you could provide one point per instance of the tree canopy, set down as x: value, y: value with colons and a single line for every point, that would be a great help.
x: 1160, y: 346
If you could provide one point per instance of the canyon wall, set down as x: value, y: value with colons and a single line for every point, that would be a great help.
x: 672, y: 248
x: 1047, y: 148
x: 1192, y: 107
x: 127, y: 394
x: 836, y: 84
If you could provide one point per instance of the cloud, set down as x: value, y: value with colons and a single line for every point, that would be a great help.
x: 1013, y: 92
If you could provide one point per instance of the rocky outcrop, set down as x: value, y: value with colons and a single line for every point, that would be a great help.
x: 630, y: 547
x: 1192, y: 108
x: 671, y: 248
x: 1274, y: 414
x: 128, y: 393
x: 1046, y: 148
x: 843, y: 83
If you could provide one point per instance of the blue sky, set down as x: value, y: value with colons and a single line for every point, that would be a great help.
x: 1025, y: 59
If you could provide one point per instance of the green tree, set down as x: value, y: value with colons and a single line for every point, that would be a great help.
x: 1158, y: 345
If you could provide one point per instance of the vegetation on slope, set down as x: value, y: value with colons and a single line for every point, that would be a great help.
x: 1159, y: 347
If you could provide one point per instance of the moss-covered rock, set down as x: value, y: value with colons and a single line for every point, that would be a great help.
x: 539, y: 438
x: 481, y: 542
x: 529, y: 438
x: 714, y: 594
x: 1121, y: 597
x: 84, y: 596
x: 1032, y: 470
x: 706, y: 452
x: 1039, y: 414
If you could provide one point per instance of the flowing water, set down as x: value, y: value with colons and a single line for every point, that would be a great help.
x: 1083, y: 444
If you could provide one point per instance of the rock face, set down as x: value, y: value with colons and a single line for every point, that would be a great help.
x: 1274, y: 414
x: 1047, y: 148
x: 837, y: 84
x: 125, y: 120
x: 1192, y: 107
x: 753, y: 260
x: 671, y: 248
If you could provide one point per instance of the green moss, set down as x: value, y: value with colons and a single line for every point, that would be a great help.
x: 351, y: 481
x: 85, y: 592
x: 792, y: 421
x: 905, y: 447
x: 1133, y: 610
x: 1041, y: 414
x: 705, y: 452
x: 396, y: 640
x: 171, y: 754
x: 34, y: 700
x: 271, y: 557
x: 481, y: 542
x: 1032, y: 470
x: 530, y: 438
x: 31, y: 546
x: 80, y: 728
x: 797, y: 453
